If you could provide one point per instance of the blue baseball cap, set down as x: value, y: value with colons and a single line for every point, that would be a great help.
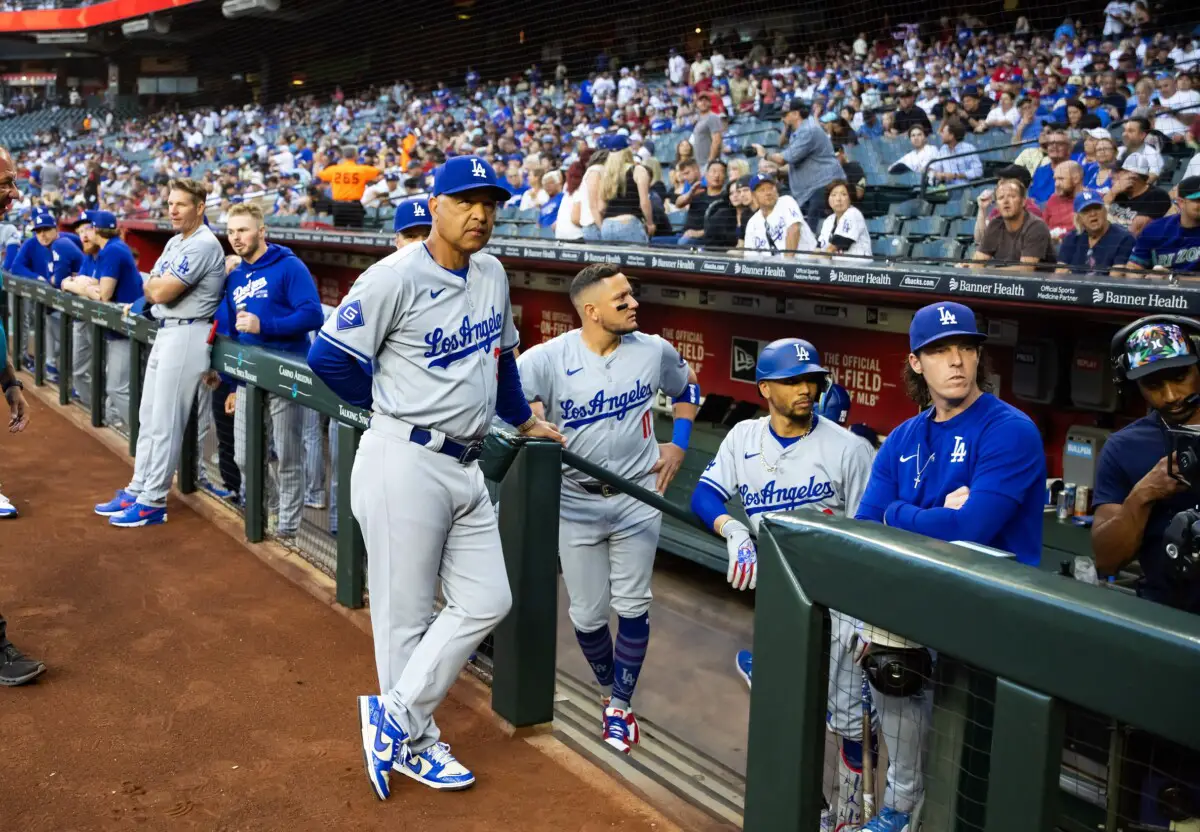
x: 762, y: 179
x: 468, y: 173
x: 42, y: 219
x: 1087, y: 199
x: 411, y: 213
x: 97, y: 219
x: 942, y: 320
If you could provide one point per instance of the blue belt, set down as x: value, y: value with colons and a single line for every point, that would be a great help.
x: 165, y: 322
x: 463, y: 453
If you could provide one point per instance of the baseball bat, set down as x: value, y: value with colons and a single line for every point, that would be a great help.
x: 868, y: 763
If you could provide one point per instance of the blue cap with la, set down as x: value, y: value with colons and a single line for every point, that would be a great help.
x: 942, y: 320
x: 1087, y: 199
x: 42, y: 219
x: 460, y: 174
x: 97, y: 219
x: 411, y: 213
x: 762, y: 179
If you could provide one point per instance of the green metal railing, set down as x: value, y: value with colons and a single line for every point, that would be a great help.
x: 1048, y: 641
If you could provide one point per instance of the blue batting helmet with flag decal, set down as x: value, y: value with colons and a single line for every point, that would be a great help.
x: 835, y: 404
x: 788, y: 358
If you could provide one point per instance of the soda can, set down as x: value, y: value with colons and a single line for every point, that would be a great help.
x: 1083, y: 500
x: 1066, y: 501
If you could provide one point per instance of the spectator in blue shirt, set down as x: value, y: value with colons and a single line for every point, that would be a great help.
x: 1099, y: 246
x: 1058, y: 149
x: 1172, y: 243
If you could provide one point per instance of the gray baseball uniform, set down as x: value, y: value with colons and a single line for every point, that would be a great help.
x: 826, y: 470
x: 179, y: 357
x: 602, y: 404
x: 435, y: 340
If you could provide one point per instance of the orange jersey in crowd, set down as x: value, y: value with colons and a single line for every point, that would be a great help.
x: 349, y: 180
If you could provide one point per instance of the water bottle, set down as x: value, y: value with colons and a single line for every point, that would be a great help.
x: 1085, y: 570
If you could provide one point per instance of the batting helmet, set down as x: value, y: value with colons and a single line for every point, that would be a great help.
x: 788, y: 358
x: 835, y: 404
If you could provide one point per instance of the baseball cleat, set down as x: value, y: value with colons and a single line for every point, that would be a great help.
x: 17, y: 668
x: 117, y: 505
x: 889, y: 820
x: 138, y: 515
x: 621, y: 730
x: 383, y: 742
x: 635, y: 730
x: 743, y: 661
x: 7, y: 509
x: 437, y: 768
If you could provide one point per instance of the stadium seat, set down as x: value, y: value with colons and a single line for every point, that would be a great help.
x: 909, y: 179
x: 909, y: 208
x: 938, y: 249
x: 507, y: 213
x: 545, y: 232
x: 963, y: 229
x: 506, y: 229
x: 890, y: 247
x: 528, y: 215
x: 677, y: 218
x: 883, y: 226
x: 964, y: 206
x: 922, y: 227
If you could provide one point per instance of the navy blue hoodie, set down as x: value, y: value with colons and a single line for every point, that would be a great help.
x: 279, y: 289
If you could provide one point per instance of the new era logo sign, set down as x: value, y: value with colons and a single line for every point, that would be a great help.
x: 350, y: 316
x: 946, y: 317
x: 743, y: 356
x: 477, y: 169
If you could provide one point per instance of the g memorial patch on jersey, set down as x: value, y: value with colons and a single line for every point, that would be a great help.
x: 603, y: 403
x: 827, y: 470
x: 435, y: 338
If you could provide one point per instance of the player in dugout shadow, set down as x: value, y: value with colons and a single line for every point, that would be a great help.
x: 1136, y: 499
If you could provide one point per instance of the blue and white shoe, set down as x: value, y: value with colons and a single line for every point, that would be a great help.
x: 436, y: 767
x: 889, y: 820
x: 117, y: 505
x: 621, y: 729
x: 138, y: 515
x: 743, y: 661
x: 7, y: 509
x: 217, y: 491
x: 383, y: 742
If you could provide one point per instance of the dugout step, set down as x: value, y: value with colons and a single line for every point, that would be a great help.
x: 661, y: 756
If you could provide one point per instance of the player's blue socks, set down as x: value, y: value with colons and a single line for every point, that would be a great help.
x: 633, y: 636
x: 598, y: 650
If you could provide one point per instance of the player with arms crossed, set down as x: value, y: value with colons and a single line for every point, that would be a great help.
x: 599, y: 382
x: 786, y: 460
x: 182, y: 295
x: 435, y: 320
x: 968, y: 467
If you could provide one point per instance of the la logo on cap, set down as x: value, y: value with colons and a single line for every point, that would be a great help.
x: 477, y: 169
x: 946, y: 317
x: 418, y: 211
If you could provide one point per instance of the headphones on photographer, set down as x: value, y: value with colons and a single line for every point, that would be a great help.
x: 1119, y: 355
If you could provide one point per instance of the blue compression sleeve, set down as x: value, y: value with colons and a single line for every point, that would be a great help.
x: 510, y: 398
x: 344, y: 374
x: 979, y: 520
x: 707, y: 503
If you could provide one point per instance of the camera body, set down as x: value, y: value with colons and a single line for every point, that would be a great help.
x: 1182, y: 537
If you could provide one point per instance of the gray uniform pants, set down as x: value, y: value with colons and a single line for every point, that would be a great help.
x: 81, y: 357
x: 116, y: 379
x: 425, y: 517
x: 285, y: 479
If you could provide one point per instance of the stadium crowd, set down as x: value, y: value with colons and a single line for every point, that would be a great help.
x: 764, y: 148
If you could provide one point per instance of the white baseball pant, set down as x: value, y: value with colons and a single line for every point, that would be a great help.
x: 179, y: 357
x: 606, y: 546
x: 314, y: 459
x: 425, y: 516
x: 903, y: 724
x: 51, y: 340
x: 285, y: 479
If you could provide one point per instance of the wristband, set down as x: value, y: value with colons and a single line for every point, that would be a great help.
x: 681, y: 433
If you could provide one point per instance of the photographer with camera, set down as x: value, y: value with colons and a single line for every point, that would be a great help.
x: 1136, y: 497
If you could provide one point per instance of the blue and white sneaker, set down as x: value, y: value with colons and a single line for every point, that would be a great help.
x: 889, y: 820
x: 138, y: 515
x: 383, y: 742
x: 436, y: 767
x: 621, y: 729
x: 7, y: 509
x: 117, y: 505
x: 743, y: 661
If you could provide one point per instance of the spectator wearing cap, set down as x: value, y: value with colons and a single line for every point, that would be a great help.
x: 1093, y: 102
x: 1016, y: 238
x: 707, y: 133
x: 348, y: 181
x: 1058, y: 149
x: 1098, y: 246
x: 810, y: 160
x: 957, y: 160
x: 975, y: 107
x: 1176, y: 109
x: 1029, y: 124
x: 1172, y: 243
x: 411, y: 223
x: 48, y: 257
x: 929, y: 99
x: 1133, y: 201
x: 114, y: 279
x: 1134, y: 137
x: 777, y: 228
x: 387, y: 191
x: 908, y: 114
x: 1059, y: 212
